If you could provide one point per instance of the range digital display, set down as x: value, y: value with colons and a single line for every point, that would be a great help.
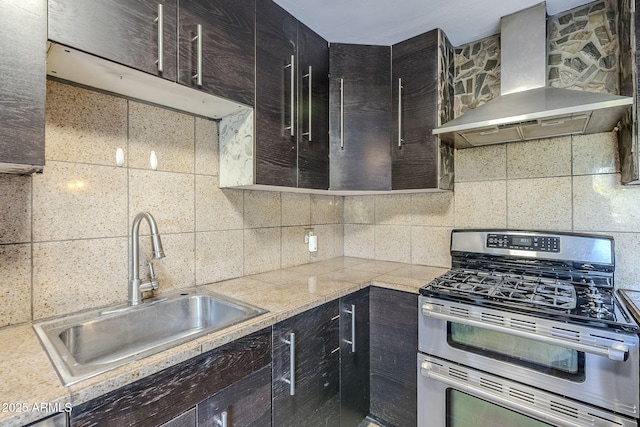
x: 521, y: 241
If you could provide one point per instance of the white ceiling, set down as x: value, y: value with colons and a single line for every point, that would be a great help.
x: 385, y: 22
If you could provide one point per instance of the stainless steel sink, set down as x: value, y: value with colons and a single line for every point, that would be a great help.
x: 83, y: 345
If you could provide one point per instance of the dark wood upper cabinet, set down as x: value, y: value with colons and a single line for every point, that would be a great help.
x: 224, y: 56
x: 313, y: 109
x: 359, y: 117
x: 23, y: 27
x: 291, y: 109
x: 275, y: 108
x: 314, y: 399
x: 122, y: 31
x: 414, y: 148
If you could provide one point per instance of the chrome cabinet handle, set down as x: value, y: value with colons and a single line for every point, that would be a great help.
x: 309, y: 75
x: 292, y: 87
x: 425, y: 371
x: 292, y: 364
x: 618, y: 351
x: 198, y: 40
x: 160, y: 21
x: 400, y: 87
x: 223, y: 418
x: 352, y: 312
x: 342, y: 114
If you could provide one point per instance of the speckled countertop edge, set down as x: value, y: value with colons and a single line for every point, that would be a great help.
x: 32, y: 390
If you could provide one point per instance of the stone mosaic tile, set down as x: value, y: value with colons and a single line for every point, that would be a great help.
x: 583, y: 48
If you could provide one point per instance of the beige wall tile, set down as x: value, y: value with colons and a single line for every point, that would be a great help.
x: 15, y: 209
x: 627, y: 248
x: 595, y: 154
x: 217, y: 209
x: 262, y: 249
x: 79, y: 201
x: 206, y: 146
x: 601, y: 203
x: 170, y: 134
x: 359, y: 210
x: 431, y: 246
x: 434, y: 209
x: 296, y: 209
x: 177, y: 269
x: 393, y: 209
x: 84, y: 126
x: 326, y: 209
x: 168, y: 196
x: 15, y: 286
x: 219, y: 255
x: 481, y: 163
x: 481, y: 204
x: 539, y: 158
x: 393, y: 243
x: 359, y: 240
x: 539, y: 204
x: 294, y: 250
x: 262, y: 209
x: 330, y: 241
x: 74, y: 275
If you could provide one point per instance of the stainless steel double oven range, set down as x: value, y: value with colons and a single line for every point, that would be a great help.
x: 526, y: 330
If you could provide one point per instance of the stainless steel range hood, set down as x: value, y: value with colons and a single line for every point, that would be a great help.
x: 527, y: 108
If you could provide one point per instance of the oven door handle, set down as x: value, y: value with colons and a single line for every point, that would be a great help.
x: 617, y: 351
x: 425, y: 371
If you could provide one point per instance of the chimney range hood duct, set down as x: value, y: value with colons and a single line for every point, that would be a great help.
x: 527, y: 108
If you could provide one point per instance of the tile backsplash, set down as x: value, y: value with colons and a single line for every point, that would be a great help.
x: 64, y: 234
x: 560, y: 184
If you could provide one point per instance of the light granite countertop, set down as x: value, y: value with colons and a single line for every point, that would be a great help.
x: 31, y: 389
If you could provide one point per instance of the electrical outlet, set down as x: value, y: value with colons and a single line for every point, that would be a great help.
x: 308, y: 232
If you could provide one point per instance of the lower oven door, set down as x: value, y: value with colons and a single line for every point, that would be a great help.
x: 599, y: 366
x: 451, y: 395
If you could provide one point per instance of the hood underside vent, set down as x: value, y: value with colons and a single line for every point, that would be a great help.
x: 527, y: 108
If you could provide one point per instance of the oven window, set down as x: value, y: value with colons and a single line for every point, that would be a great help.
x: 464, y: 410
x: 545, y: 358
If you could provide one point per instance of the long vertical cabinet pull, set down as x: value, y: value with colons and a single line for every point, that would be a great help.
x: 160, y: 21
x: 292, y: 364
x: 198, y: 40
x: 400, y: 87
x: 342, y: 114
x: 309, y: 75
x: 224, y: 416
x: 352, y: 312
x: 292, y: 107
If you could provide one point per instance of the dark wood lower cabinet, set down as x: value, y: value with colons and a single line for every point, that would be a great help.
x: 354, y: 358
x: 314, y: 399
x: 161, y: 397
x: 394, y: 346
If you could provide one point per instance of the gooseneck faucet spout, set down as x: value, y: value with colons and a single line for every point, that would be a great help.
x: 136, y: 287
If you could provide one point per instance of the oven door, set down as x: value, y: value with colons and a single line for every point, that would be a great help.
x: 594, y: 365
x: 451, y: 395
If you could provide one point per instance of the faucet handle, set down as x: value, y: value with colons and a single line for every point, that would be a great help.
x: 152, y: 274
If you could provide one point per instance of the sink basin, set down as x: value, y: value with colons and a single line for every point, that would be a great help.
x: 83, y: 345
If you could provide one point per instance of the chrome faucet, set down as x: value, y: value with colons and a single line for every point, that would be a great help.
x: 136, y: 287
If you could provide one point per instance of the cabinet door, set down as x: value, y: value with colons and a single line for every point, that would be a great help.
x: 313, y: 109
x: 123, y: 31
x: 275, y: 108
x: 159, y: 398
x: 227, y: 55
x: 246, y: 403
x: 359, y: 117
x: 22, y: 77
x: 414, y: 106
x: 314, y: 399
x: 354, y: 358
x: 394, y: 346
